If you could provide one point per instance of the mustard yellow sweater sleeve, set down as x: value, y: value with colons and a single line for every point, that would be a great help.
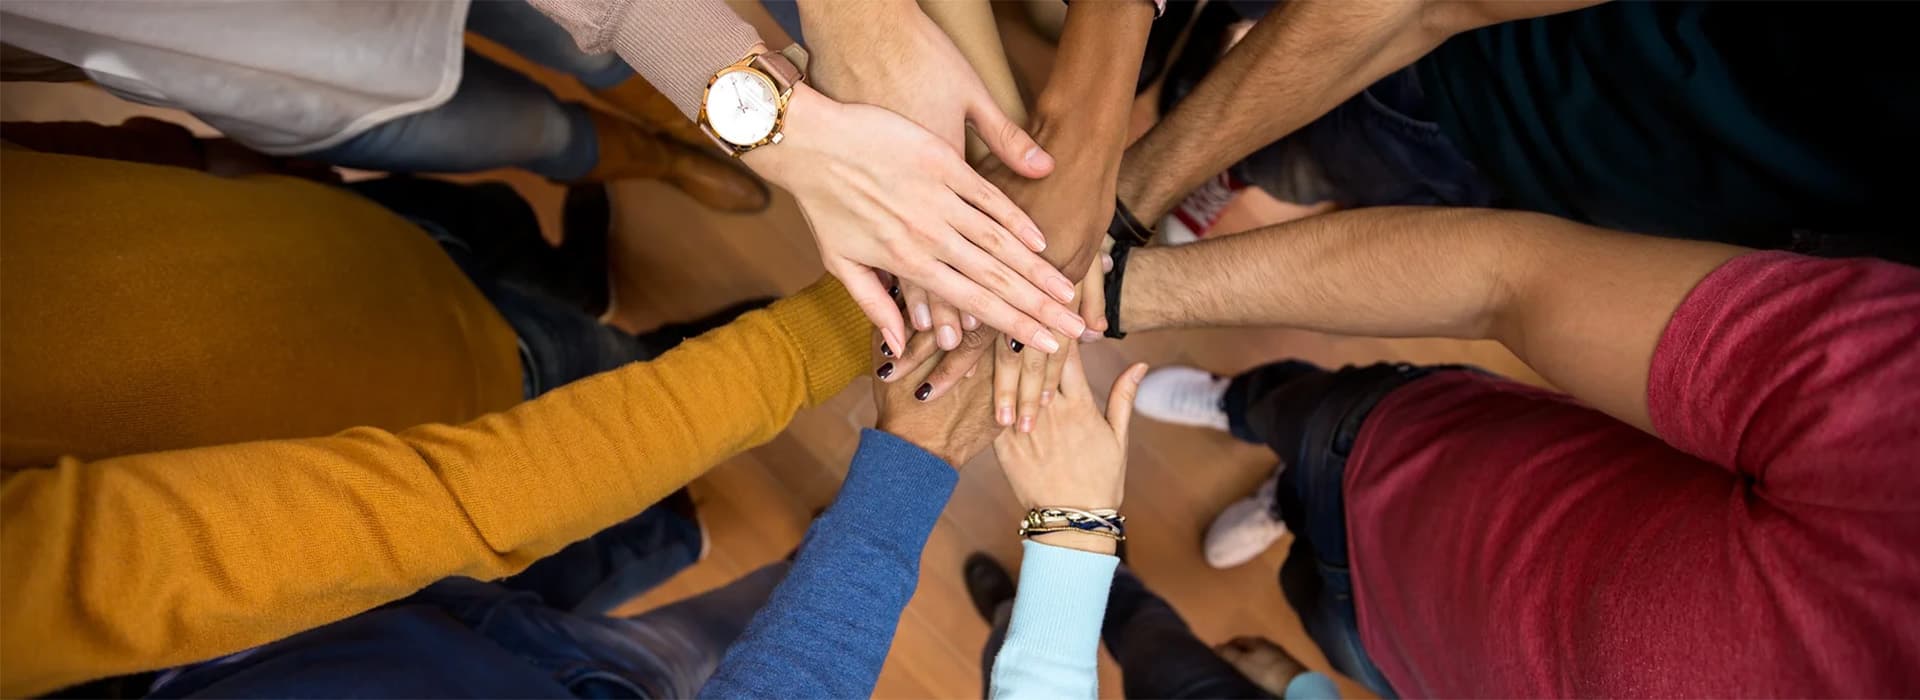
x: 148, y: 561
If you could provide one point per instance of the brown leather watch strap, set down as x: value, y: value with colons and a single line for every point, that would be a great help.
x: 782, y: 69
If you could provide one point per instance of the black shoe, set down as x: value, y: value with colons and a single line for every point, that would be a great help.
x: 988, y: 584
x: 658, y: 341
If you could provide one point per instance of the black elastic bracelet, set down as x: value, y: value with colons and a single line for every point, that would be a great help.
x: 1124, y: 227
x: 1114, y: 277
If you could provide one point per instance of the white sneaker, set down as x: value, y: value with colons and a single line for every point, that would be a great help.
x: 1245, y: 529
x: 1183, y: 396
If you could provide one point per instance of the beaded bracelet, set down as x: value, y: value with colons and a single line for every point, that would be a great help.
x: 1105, y: 522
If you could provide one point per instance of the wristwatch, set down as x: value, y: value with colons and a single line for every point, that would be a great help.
x: 746, y: 101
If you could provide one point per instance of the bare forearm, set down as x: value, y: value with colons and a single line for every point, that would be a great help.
x: 1082, y: 116
x: 1582, y: 306
x: 1302, y: 60
x: 1380, y: 272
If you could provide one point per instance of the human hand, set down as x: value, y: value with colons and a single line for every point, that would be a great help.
x: 953, y: 430
x: 888, y: 53
x: 1077, y: 458
x: 1037, y: 376
x: 884, y: 194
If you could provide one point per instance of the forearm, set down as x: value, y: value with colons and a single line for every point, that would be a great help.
x: 1302, y: 60
x: 239, y: 545
x: 1053, y: 641
x: 826, y: 630
x: 675, y: 44
x: 1082, y: 116
x: 1581, y: 305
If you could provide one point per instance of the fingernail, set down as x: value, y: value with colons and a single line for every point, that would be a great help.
x: 1070, y: 322
x: 1026, y: 424
x: 922, y: 318
x: 969, y: 322
x: 885, y: 370
x: 1089, y: 335
x: 1038, y: 158
x: 1015, y: 345
x: 895, y: 289
x: 948, y: 337
x: 1003, y: 416
x: 923, y: 392
x: 1106, y: 262
x: 886, y: 351
x: 1046, y: 397
x: 1044, y: 340
x: 1060, y: 288
x: 1035, y: 240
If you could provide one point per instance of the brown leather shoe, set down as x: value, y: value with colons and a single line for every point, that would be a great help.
x: 637, y: 99
x: 628, y: 151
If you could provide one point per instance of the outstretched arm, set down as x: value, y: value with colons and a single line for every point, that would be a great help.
x: 826, y: 630
x: 1299, y: 62
x: 142, y: 562
x: 1583, y: 306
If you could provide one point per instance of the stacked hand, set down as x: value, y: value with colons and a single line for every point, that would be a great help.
x: 1076, y: 458
x: 881, y: 193
x: 953, y: 430
x: 1075, y: 205
x: 889, y: 54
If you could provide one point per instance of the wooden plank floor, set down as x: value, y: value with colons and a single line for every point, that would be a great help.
x: 674, y: 260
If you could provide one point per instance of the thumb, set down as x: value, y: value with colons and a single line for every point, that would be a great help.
x: 1007, y: 140
x: 1120, y: 401
x: 863, y: 284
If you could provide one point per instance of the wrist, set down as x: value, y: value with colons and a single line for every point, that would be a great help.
x: 1138, y: 308
x: 801, y: 128
x: 934, y: 445
x: 1085, y: 542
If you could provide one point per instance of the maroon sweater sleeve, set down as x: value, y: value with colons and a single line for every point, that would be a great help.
x: 1801, y: 374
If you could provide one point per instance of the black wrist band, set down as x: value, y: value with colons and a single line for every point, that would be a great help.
x: 1114, y: 277
x: 1124, y: 227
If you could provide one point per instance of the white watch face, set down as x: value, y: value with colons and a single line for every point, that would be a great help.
x: 741, y: 107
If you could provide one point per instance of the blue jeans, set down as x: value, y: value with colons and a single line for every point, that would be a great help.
x: 466, y: 638
x: 1311, y: 418
x: 497, y: 117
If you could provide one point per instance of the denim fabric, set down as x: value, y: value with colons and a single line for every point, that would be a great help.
x: 467, y: 638
x: 1311, y: 418
x: 604, y: 571
x: 494, y: 237
x: 528, y: 32
x: 1159, y: 656
x: 497, y: 117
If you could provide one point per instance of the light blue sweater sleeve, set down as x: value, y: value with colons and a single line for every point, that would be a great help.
x: 1053, y: 642
x: 825, y: 631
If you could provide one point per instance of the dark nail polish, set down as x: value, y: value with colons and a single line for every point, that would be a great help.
x: 1015, y: 345
x: 885, y: 370
x: 886, y: 350
x: 923, y: 392
x: 894, y: 291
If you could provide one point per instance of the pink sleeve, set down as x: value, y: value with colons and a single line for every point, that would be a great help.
x: 1802, y: 374
x: 675, y: 44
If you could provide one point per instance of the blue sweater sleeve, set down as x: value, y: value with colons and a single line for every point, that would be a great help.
x: 1053, y: 640
x: 826, y: 630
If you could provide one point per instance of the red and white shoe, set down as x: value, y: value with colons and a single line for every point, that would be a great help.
x: 1196, y: 215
